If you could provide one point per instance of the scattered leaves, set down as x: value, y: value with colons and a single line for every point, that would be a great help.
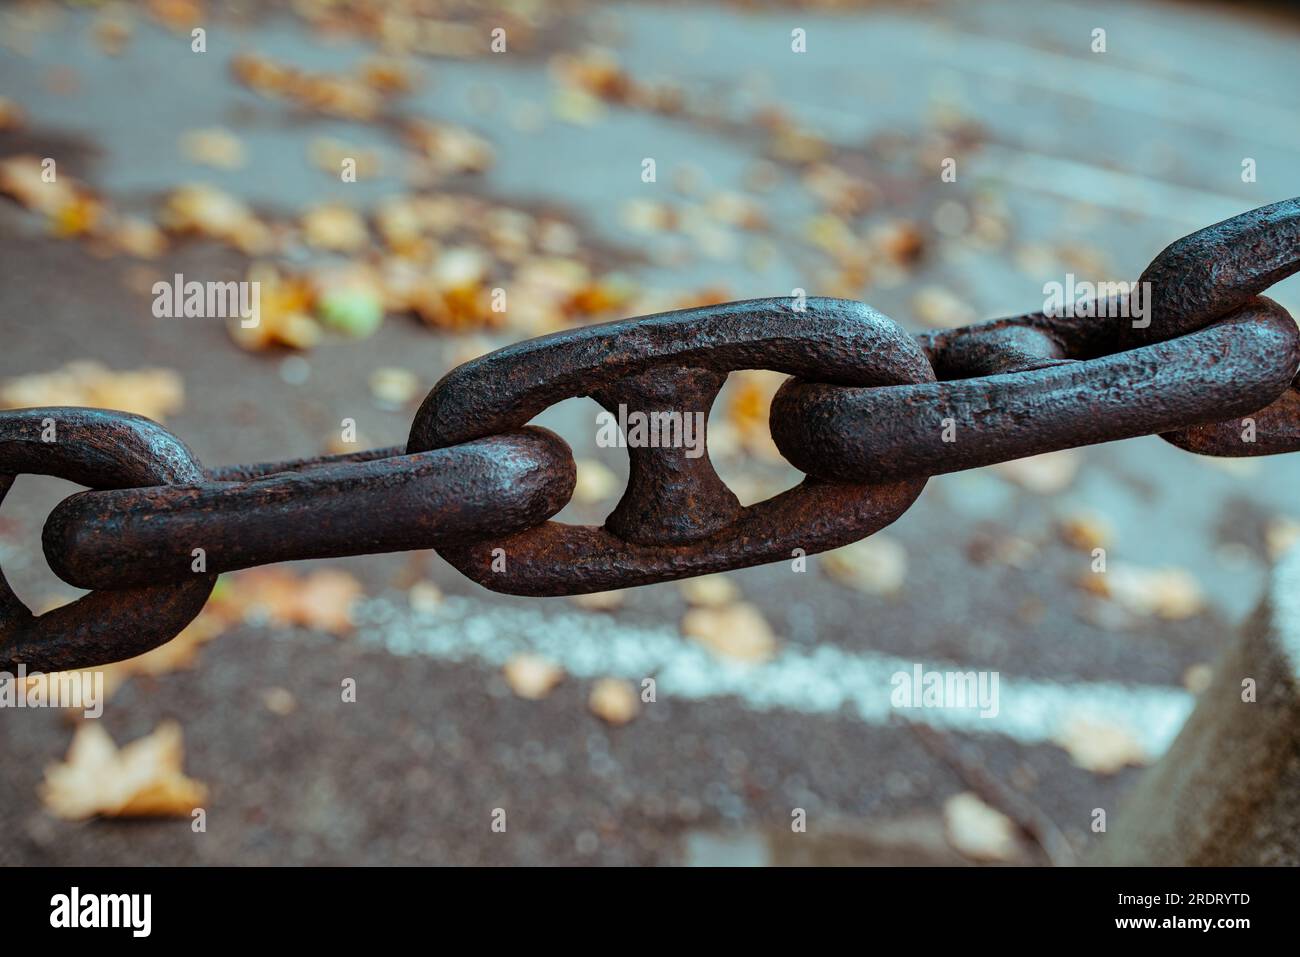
x: 153, y: 393
x: 322, y: 599
x: 284, y: 314
x: 204, y: 210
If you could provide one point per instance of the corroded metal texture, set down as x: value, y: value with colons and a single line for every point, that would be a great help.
x: 1203, y: 277
x: 102, y: 450
x: 315, y: 508
x: 1237, y: 365
x: 870, y: 416
x: 676, y: 517
x: 1218, y: 269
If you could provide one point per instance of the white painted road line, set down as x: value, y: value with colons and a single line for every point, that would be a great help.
x: 821, y: 680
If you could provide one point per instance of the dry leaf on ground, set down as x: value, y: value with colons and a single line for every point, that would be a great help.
x: 600, y: 600
x: 336, y: 228
x: 709, y: 591
x: 595, y: 482
x: 143, y: 779
x: 1101, y: 747
x: 614, y: 701
x: 737, y: 631
x: 748, y: 408
x: 424, y: 597
x: 1169, y: 593
x: 1084, y: 531
x: 979, y: 831
x: 1280, y: 534
x: 321, y: 600
x: 532, y: 676
x: 153, y: 393
x: 940, y: 308
x: 213, y: 147
x: 393, y: 387
x: 877, y: 565
x: 1045, y: 474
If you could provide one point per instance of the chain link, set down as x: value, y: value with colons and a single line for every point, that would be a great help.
x: 870, y: 414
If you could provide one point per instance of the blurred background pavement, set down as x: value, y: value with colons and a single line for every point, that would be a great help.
x: 775, y: 170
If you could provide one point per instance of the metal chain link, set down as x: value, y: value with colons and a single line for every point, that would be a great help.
x: 870, y: 415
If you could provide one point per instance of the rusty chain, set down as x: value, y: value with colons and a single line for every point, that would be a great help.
x: 869, y: 415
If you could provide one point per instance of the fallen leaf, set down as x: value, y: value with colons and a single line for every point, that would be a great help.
x: 1002, y: 549
x: 978, y: 831
x: 1170, y: 593
x: 1045, y: 474
x: 12, y: 116
x: 138, y: 237
x: 322, y: 600
x: 876, y: 565
x: 204, y: 210
x: 940, y: 308
x: 450, y: 149
x: 330, y: 154
x: 392, y: 387
x: 213, y: 147
x: 709, y: 591
x: 153, y: 393
x: 336, y: 228
x: 1084, y: 531
x: 737, y: 631
x: 21, y: 177
x: 284, y: 313
x: 424, y: 597
x: 600, y: 600
x: 1197, y: 677
x: 595, y: 482
x: 143, y: 779
x: 532, y: 676
x: 614, y: 701
x: 1280, y: 534
x: 279, y: 701
x: 1101, y: 747
x: 749, y: 408
x: 900, y: 241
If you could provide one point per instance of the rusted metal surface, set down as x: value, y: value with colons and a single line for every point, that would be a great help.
x: 676, y: 517
x: 102, y: 450
x: 323, y: 508
x: 1235, y: 366
x: 871, y: 414
x: 1218, y: 269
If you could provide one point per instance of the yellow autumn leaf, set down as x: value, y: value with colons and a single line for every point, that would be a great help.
x: 143, y: 779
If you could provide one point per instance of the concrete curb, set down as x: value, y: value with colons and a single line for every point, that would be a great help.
x: 1227, y: 792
